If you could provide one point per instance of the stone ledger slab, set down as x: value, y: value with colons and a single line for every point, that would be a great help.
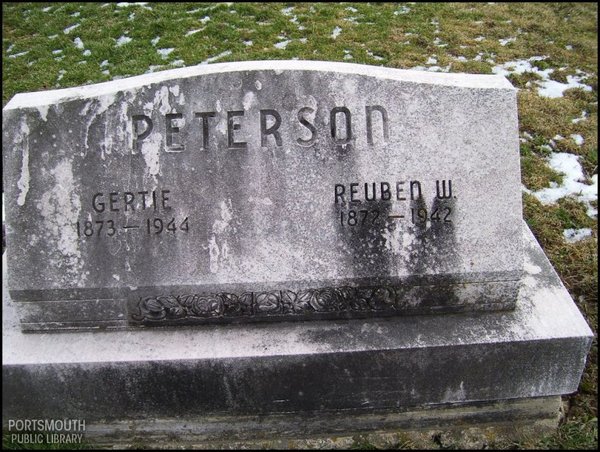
x: 537, y: 350
x: 273, y: 190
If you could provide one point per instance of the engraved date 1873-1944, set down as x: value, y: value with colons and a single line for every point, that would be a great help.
x: 112, y: 203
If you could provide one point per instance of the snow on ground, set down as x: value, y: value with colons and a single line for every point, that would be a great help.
x: 70, y: 29
x: 78, y: 43
x: 403, y: 10
x: 553, y: 89
x: 578, y: 139
x: 192, y: 32
x: 18, y: 54
x: 216, y: 57
x: 572, y: 185
x: 155, y: 40
x: 282, y: 44
x: 123, y: 40
x: 575, y: 235
x: 164, y: 53
x: 583, y: 117
x: 336, y: 32
x: 506, y: 41
x: 375, y: 57
x: 546, y: 87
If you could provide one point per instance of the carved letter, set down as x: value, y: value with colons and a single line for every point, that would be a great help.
x: 332, y: 120
x: 443, y: 195
x: 339, y: 194
x: 98, y: 206
x: 308, y: 125
x: 384, y: 122
x: 139, y: 136
x: 172, y: 130
x: 264, y: 131
x: 205, y: 116
x: 231, y: 126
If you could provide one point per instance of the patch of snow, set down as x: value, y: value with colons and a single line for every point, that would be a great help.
x: 70, y: 29
x: 87, y: 52
x: 217, y: 57
x: 351, y: 9
x: 554, y: 89
x: 546, y: 87
x: 164, y: 53
x: 123, y: 40
x: 18, y: 54
x: 204, y: 19
x: 75, y: 14
x: 506, y: 41
x: 336, y: 32
x: 568, y: 164
x: 569, y: 47
x: 575, y: 235
x: 192, y: 32
x: 583, y: 117
x: 438, y: 42
x: 578, y: 139
x: 248, y: 43
x: 287, y: 11
x: 155, y: 40
x: 432, y: 60
x: 78, y: 43
x: 403, y: 10
x: 178, y: 63
x: 282, y: 44
x: 53, y: 37
x: 46, y: 9
x: 126, y: 4
x: 375, y: 57
x: 104, y: 63
x: 480, y: 38
x: 56, y: 52
x: 10, y: 47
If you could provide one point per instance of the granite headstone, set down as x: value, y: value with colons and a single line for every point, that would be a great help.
x: 273, y: 190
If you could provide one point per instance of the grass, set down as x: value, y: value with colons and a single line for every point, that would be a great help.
x: 460, y: 37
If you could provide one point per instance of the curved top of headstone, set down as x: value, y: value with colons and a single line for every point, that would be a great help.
x: 481, y: 81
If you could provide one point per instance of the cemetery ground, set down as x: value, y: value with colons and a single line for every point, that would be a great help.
x: 547, y: 50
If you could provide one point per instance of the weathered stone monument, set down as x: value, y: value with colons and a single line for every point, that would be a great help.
x: 275, y: 191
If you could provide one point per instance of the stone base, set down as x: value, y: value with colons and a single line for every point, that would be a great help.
x: 463, y: 425
x: 253, y: 374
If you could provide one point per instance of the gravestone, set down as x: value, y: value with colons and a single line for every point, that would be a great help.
x: 281, y: 190
x: 254, y: 191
